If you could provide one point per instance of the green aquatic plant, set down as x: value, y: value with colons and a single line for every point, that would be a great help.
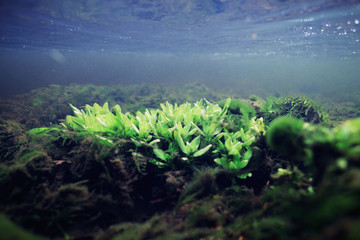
x: 187, y: 129
x: 186, y: 132
x: 102, y: 123
x: 241, y: 107
x: 269, y: 109
x: 235, y: 147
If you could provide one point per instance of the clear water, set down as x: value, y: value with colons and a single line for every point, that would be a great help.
x: 251, y: 46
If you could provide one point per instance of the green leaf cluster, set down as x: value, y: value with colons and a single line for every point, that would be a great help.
x: 235, y: 147
x: 186, y: 132
x: 101, y: 122
x: 269, y: 109
x: 242, y: 108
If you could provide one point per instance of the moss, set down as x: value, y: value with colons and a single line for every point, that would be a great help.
x: 285, y: 135
x: 157, y: 228
x: 203, y: 185
x: 12, y: 138
x: 347, y: 138
x: 206, y: 214
x: 305, y: 109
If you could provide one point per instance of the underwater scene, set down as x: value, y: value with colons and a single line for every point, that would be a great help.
x: 179, y: 119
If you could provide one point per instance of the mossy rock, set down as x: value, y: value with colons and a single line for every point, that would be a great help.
x: 305, y: 109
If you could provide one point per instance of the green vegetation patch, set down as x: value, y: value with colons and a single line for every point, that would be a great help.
x: 186, y: 133
x: 236, y: 169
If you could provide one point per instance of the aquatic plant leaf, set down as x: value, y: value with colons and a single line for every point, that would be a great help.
x: 244, y: 175
x: 163, y: 131
x: 153, y: 142
x: 161, y: 154
x: 180, y: 142
x: 75, y: 123
x: 193, y: 131
x: 242, y: 164
x: 229, y: 144
x: 104, y: 141
x: 101, y: 122
x: 202, y: 151
x: 211, y: 130
x: 136, y: 142
x: 76, y: 111
x: 235, y: 155
x: 219, y: 161
x: 232, y: 166
x: 159, y: 164
x: 225, y: 107
x: 247, y: 155
x: 194, y: 144
x: 117, y: 110
x: 185, y: 130
x: 43, y: 130
x: 106, y: 107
